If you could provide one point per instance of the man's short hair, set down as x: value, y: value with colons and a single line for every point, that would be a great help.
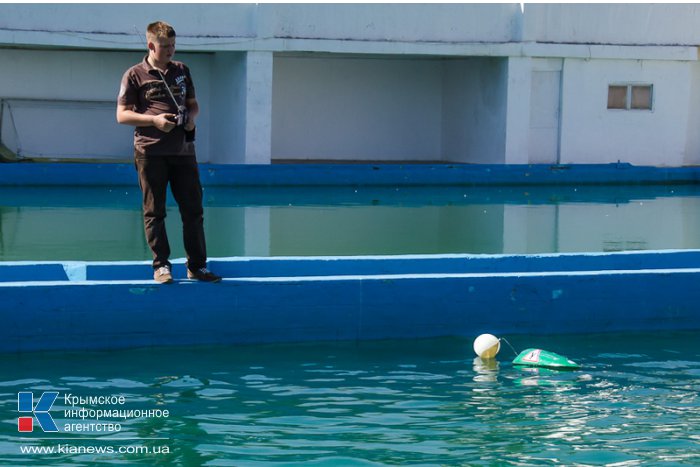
x: 159, y: 30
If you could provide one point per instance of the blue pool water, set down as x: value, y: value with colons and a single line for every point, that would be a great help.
x: 423, y: 402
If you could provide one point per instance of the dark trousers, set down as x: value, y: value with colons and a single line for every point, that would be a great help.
x: 155, y: 172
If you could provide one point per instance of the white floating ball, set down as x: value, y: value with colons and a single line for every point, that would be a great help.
x: 486, y: 346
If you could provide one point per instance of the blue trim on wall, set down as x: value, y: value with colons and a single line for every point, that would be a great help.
x: 90, y: 174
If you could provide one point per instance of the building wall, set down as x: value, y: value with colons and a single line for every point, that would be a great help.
x: 591, y: 133
x: 474, y: 110
x: 214, y: 27
x: 115, y: 25
x: 456, y: 110
x: 227, y: 134
x: 392, y: 22
x: 545, y: 111
x: 69, y: 112
x: 517, y: 115
x: 692, y: 131
x: 605, y: 23
x: 356, y: 108
x: 227, y: 26
x: 63, y: 104
x: 389, y: 109
x: 476, y: 83
x: 240, y: 108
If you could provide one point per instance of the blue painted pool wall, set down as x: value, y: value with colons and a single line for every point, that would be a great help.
x: 457, y: 264
x: 429, y: 264
x: 32, y: 272
x: 87, y: 174
x: 119, y: 315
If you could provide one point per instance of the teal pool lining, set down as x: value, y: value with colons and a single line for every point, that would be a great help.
x: 343, y: 174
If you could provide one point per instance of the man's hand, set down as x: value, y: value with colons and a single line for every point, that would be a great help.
x: 165, y: 122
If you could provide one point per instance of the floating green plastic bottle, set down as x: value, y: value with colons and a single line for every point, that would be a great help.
x: 546, y: 359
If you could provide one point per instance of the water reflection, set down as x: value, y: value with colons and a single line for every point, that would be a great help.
x: 42, y: 223
x: 486, y: 370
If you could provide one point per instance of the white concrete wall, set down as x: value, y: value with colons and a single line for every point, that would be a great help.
x: 605, y: 23
x: 241, y: 107
x: 258, y: 107
x: 75, y: 129
x: 692, y: 147
x: 545, y: 111
x: 389, y: 109
x: 219, y: 25
x: 71, y: 111
x: 228, y: 107
x: 474, y: 101
x: 517, y: 136
x: 394, y: 22
x: 356, y: 108
x: 593, y: 134
x: 115, y: 25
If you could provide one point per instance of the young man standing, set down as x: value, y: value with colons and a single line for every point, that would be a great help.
x: 157, y: 97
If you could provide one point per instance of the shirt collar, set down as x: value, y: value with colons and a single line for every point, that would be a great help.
x: 147, y: 66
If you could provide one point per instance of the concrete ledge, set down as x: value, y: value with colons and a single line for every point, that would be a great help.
x: 79, y: 174
x: 266, y: 267
x: 306, y: 299
x: 18, y: 272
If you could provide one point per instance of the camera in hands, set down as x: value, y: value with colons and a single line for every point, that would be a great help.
x: 182, y: 116
x: 181, y: 119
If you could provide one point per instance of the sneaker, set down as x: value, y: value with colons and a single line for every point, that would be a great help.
x: 162, y: 275
x: 204, y: 275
